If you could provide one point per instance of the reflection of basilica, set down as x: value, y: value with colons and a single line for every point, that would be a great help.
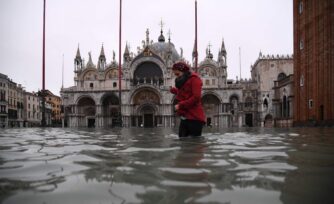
x: 146, y: 101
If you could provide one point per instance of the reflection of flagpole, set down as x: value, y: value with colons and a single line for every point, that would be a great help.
x: 196, y: 52
x: 43, y: 70
x: 120, y: 63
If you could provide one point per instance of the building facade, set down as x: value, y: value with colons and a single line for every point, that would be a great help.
x: 146, y: 80
x: 314, y: 57
x: 266, y: 71
x: 32, y: 114
x: 56, y: 103
x: 3, y: 101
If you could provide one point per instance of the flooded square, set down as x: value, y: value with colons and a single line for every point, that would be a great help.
x: 143, y: 165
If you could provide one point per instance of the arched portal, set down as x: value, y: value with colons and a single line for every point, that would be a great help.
x: 110, y: 109
x: 148, y: 73
x: 211, y: 108
x: 86, y: 110
x: 148, y: 115
x: 145, y: 104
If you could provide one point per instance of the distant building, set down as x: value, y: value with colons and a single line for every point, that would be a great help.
x: 265, y: 71
x: 3, y: 101
x: 32, y: 115
x: 283, y: 100
x: 56, y: 104
x: 314, y: 62
x: 15, y: 104
x: 48, y: 113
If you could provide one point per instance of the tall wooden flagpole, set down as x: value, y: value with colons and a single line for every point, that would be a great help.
x: 196, y: 52
x: 120, y: 64
x: 43, y: 71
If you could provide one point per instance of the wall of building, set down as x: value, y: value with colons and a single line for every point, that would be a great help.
x: 314, y: 74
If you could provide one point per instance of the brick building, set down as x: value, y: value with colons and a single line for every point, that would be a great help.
x: 313, y: 62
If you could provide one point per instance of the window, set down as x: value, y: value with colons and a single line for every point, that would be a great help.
x: 213, y: 82
x: 114, y: 84
x: 91, y: 85
x: 310, y: 103
x: 301, y: 44
x: 207, y: 82
x: 301, y: 80
x: 301, y: 7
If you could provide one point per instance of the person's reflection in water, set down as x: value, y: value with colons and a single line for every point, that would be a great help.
x: 187, y: 178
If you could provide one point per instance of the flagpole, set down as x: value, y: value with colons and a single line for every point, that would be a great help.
x: 196, y: 52
x: 43, y: 70
x: 120, y: 64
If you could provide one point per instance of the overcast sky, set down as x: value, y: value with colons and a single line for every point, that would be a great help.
x: 253, y: 25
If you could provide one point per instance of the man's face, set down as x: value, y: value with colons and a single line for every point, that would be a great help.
x: 177, y: 73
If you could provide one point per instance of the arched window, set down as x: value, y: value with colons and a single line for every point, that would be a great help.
x: 265, y: 104
x: 281, y: 76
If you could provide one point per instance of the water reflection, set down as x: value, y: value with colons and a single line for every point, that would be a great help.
x: 155, y: 166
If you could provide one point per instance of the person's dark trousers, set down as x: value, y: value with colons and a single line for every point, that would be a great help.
x: 190, y: 128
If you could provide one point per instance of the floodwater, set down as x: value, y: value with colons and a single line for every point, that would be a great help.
x: 229, y: 166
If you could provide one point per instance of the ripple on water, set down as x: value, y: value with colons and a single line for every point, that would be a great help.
x: 155, y: 166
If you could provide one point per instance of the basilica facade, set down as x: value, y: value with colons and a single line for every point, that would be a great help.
x: 145, y: 83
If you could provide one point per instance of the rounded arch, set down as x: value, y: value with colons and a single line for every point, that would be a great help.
x: 111, y: 73
x: 145, y: 95
x: 110, y: 109
x: 210, y: 98
x: 148, y: 72
x: 84, y: 96
x: 234, y: 97
x: 213, y: 94
x: 211, y: 103
x: 86, y: 106
x: 109, y: 98
x: 281, y: 76
x: 268, y: 117
x: 89, y: 74
x: 147, y: 108
x: 208, y: 71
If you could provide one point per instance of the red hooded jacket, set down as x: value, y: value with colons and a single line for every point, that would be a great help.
x: 189, y: 99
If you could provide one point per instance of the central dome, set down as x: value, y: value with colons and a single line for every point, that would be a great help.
x: 163, y: 48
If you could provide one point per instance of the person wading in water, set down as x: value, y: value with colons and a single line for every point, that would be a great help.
x: 188, y: 88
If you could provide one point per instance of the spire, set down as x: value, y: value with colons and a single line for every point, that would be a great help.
x: 223, y: 50
x: 147, y: 37
x: 126, y: 55
x: 169, y: 34
x: 78, y: 56
x: 161, y: 37
x: 126, y: 51
x: 78, y: 61
x: 101, y: 65
x: 102, y: 51
x: 208, y: 52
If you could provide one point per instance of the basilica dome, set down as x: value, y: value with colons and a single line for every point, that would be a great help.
x: 163, y: 48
